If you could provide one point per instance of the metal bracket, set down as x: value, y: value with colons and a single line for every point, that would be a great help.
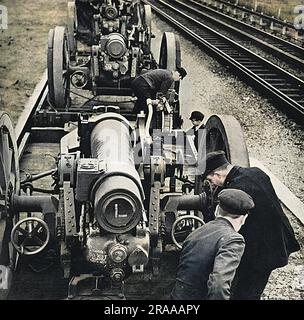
x: 104, y: 109
x: 69, y: 212
x: 88, y: 171
x: 72, y: 288
x: 87, y: 285
x: 135, y: 55
x: 67, y: 166
x: 156, y: 256
x: 154, y: 209
x: 138, y: 269
x: 158, y: 169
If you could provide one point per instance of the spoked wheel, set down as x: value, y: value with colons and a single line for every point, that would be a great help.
x: 170, y: 58
x: 58, y: 68
x: 223, y: 132
x: 72, y: 24
x: 148, y: 28
x: 9, y: 185
x: 30, y: 236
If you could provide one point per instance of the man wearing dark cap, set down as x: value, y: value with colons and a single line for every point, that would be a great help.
x: 268, y: 234
x: 196, y: 118
x: 212, y: 253
x: 151, y: 82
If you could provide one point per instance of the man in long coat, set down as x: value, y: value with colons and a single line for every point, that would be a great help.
x: 268, y: 235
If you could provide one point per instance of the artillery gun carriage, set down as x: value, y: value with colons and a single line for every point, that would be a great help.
x: 124, y: 188
x: 103, y: 47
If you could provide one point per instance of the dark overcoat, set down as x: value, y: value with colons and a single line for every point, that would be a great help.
x: 268, y: 235
x: 208, y: 262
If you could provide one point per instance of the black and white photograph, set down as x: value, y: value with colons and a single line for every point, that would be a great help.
x: 152, y: 151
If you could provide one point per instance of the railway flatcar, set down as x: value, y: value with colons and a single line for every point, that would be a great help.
x: 121, y: 188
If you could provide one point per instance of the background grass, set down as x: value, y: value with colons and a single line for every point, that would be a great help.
x: 271, y: 7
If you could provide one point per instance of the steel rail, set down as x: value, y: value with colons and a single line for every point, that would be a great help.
x: 282, y: 86
x: 285, y: 50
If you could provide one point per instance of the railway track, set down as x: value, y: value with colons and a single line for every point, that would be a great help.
x: 284, y: 88
x: 281, y: 48
x: 235, y: 9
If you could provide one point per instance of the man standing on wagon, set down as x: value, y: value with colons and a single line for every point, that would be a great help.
x: 147, y: 85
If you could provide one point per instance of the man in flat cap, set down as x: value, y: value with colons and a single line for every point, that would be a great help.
x: 211, y: 254
x: 148, y: 84
x: 268, y: 233
x: 196, y: 118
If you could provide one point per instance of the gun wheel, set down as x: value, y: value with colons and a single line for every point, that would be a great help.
x: 222, y: 132
x: 170, y: 58
x: 58, y: 67
x: 9, y: 185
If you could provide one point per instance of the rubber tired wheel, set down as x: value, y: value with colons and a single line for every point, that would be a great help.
x: 223, y: 132
x: 170, y: 52
x: 58, y: 67
x: 9, y: 185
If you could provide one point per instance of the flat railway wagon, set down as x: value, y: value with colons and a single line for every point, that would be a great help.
x: 117, y: 189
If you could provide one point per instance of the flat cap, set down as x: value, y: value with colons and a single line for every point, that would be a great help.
x: 197, y: 115
x: 235, y: 201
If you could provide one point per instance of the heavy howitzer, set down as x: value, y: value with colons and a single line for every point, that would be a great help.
x: 102, y: 206
x: 117, y: 201
x: 104, y: 46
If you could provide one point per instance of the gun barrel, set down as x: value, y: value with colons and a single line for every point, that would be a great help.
x: 117, y: 195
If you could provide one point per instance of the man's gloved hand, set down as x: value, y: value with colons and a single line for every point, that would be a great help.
x: 149, y: 101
